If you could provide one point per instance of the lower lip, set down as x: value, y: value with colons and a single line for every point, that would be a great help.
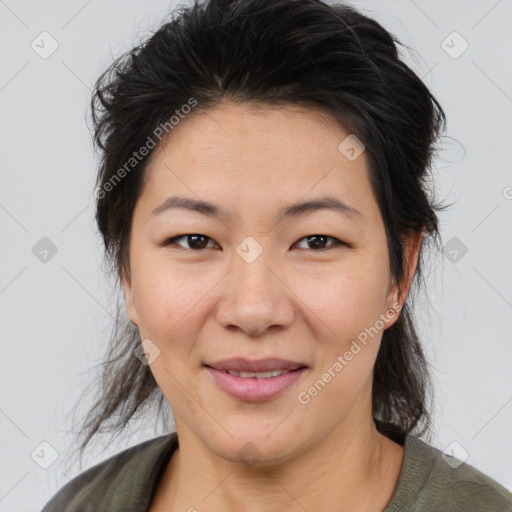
x: 253, y: 389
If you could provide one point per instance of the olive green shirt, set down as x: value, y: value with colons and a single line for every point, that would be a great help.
x: 127, y: 482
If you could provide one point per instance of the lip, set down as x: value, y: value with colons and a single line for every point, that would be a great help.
x: 252, y: 389
x: 240, y: 364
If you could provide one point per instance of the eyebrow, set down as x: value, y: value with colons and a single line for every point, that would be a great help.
x: 294, y: 210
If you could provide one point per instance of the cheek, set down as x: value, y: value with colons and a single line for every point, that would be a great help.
x: 163, y: 297
x: 348, y: 299
x: 350, y: 306
x: 168, y: 306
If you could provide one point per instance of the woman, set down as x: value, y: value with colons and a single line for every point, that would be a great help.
x: 262, y: 198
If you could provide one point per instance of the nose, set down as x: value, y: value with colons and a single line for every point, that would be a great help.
x: 255, y: 297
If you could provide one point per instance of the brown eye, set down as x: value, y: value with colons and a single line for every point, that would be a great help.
x: 319, y: 242
x: 195, y: 241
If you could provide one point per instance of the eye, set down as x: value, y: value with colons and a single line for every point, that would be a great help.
x: 196, y: 241
x: 318, y: 241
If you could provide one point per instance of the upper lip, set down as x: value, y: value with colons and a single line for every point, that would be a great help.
x: 240, y: 364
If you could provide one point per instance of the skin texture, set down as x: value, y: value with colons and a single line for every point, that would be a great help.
x: 295, y: 301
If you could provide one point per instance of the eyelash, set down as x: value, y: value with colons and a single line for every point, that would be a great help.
x: 172, y: 241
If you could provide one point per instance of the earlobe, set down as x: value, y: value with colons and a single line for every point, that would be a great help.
x: 394, y: 305
x: 128, y: 300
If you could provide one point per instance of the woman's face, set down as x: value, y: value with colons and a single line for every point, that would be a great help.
x: 257, y: 284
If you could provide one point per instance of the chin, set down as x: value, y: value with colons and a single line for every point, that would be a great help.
x: 257, y: 445
x: 257, y: 454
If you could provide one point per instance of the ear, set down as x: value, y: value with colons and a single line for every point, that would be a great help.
x: 128, y: 299
x: 412, y: 244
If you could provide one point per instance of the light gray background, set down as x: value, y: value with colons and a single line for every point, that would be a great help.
x: 55, y: 316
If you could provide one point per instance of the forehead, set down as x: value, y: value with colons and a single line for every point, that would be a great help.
x: 249, y: 153
x: 248, y: 125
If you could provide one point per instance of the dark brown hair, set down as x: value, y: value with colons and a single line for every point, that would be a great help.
x: 275, y: 53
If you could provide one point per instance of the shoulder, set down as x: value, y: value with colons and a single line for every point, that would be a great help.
x: 431, y: 480
x: 119, y: 481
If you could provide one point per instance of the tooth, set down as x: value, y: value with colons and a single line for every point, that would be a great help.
x: 258, y: 375
x: 266, y: 375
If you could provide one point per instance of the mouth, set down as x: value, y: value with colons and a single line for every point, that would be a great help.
x: 255, y: 381
x: 258, y: 375
x: 241, y: 365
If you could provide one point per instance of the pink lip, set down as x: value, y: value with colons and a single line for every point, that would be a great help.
x: 253, y: 389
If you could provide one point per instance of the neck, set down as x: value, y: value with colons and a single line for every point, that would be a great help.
x: 352, y: 468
